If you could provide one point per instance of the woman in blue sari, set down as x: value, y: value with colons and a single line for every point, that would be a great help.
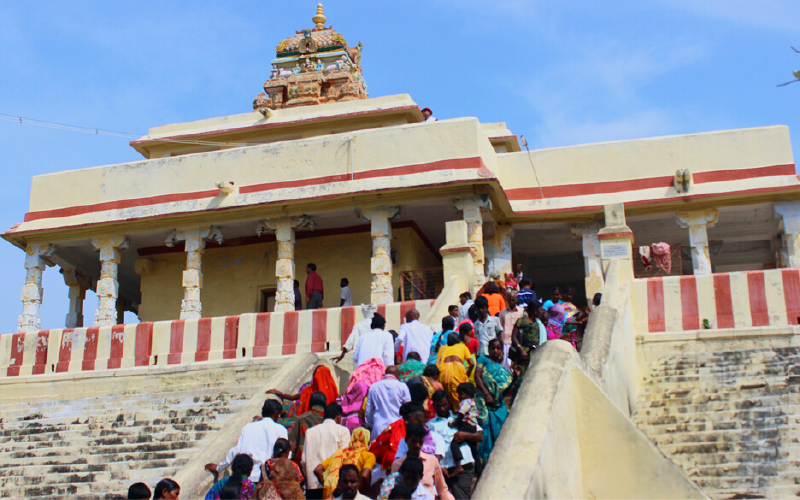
x: 440, y: 338
x: 493, y: 380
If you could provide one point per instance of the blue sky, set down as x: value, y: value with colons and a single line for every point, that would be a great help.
x: 560, y: 73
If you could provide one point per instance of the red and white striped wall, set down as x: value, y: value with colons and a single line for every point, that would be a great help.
x: 187, y: 341
x: 726, y: 300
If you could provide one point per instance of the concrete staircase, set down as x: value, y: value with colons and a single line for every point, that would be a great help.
x: 96, y: 446
x: 728, y: 418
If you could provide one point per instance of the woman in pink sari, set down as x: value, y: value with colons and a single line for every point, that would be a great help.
x: 369, y: 372
x: 352, y: 402
x: 555, y: 325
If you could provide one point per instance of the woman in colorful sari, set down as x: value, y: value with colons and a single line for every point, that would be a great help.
x: 238, y: 484
x: 353, y: 405
x: 413, y: 367
x: 356, y: 454
x: 282, y: 483
x: 321, y: 381
x: 555, y: 323
x: 493, y: 380
x: 440, y: 339
x: 450, y: 363
x: 368, y: 372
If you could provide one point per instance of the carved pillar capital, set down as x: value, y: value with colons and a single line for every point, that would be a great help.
x: 472, y: 208
x: 108, y: 287
x: 697, y: 221
x: 789, y: 214
x: 284, y: 228
x: 32, y: 292
x: 382, y: 289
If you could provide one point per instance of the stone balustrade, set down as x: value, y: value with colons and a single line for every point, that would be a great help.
x: 727, y: 300
x: 187, y: 341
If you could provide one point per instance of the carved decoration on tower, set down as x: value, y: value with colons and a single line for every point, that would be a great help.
x: 314, y: 66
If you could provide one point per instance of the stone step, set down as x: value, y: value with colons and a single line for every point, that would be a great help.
x: 700, y: 404
x: 115, y: 469
x: 746, y: 418
x: 181, y: 424
x: 102, y: 442
x: 69, y: 449
x: 729, y: 437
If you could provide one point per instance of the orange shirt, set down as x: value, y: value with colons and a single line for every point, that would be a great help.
x: 496, y: 303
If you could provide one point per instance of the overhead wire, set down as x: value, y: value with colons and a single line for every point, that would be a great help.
x: 98, y: 131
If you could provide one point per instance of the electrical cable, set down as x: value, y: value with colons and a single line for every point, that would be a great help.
x: 98, y: 131
x: 535, y: 175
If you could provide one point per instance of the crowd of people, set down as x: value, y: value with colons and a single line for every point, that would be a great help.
x: 420, y: 414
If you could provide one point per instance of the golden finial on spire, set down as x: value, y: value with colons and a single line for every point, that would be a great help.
x: 320, y: 18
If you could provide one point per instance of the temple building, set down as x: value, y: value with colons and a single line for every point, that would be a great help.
x: 204, y: 237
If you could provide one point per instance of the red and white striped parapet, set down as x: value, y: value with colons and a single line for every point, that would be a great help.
x: 727, y: 300
x: 187, y: 341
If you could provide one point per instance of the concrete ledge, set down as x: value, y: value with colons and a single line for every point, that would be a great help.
x: 719, y: 334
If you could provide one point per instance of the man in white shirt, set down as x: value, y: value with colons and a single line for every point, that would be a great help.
x: 347, y: 295
x: 377, y: 343
x: 463, y: 310
x: 486, y: 327
x: 415, y: 337
x: 428, y: 115
x: 257, y: 440
x: 384, y: 399
x: 359, y: 329
x: 322, y: 441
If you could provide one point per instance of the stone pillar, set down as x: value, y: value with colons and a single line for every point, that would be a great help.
x: 284, y: 267
x: 500, y: 261
x: 110, y: 248
x: 382, y: 290
x: 593, y: 266
x: 77, y: 293
x: 698, y: 221
x: 616, y: 240
x: 472, y: 208
x: 789, y: 213
x: 32, y: 292
x: 457, y: 256
x: 191, y: 306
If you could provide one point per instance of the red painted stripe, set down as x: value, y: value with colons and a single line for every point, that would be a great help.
x: 90, y: 348
x: 203, y: 339
x: 382, y: 310
x: 175, y: 342
x: 290, y: 326
x: 452, y: 164
x: 722, y: 297
x: 17, y: 353
x: 791, y: 294
x: 261, y: 341
x: 117, y: 346
x: 42, y: 346
x: 348, y: 322
x: 759, y: 313
x: 231, y: 341
x: 650, y: 201
x: 116, y: 205
x: 281, y: 124
x: 144, y: 344
x: 689, y: 305
x: 319, y: 330
x: 655, y: 305
x: 571, y: 190
x: 65, y: 350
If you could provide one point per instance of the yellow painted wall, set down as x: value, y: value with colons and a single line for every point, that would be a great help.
x: 233, y: 276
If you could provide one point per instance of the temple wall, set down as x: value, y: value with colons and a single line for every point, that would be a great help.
x: 234, y: 276
x: 185, y: 342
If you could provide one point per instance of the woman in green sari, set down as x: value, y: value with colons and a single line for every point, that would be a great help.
x: 493, y: 380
